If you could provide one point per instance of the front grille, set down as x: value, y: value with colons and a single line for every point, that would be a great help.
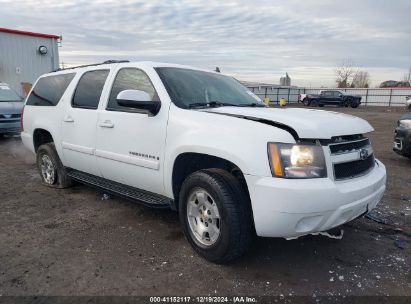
x: 349, y: 146
x: 354, y: 168
x: 3, y: 116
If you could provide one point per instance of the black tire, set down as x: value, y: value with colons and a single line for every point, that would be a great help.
x: 61, y: 180
x: 342, y: 103
x: 354, y: 104
x: 235, y: 223
x: 314, y: 102
x: 306, y: 102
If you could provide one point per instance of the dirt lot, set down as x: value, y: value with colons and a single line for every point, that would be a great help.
x: 71, y: 242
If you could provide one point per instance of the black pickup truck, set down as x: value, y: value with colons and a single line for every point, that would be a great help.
x: 402, y: 137
x: 331, y: 97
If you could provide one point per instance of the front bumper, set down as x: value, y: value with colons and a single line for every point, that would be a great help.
x: 290, y: 207
x: 10, y: 127
x: 402, y: 141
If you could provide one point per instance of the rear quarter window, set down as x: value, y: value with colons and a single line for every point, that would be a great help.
x: 49, y: 90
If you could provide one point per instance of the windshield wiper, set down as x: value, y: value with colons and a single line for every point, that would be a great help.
x: 254, y: 104
x: 216, y: 104
x: 211, y: 104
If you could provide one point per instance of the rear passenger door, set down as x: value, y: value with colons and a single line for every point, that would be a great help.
x: 80, y: 122
x: 327, y: 97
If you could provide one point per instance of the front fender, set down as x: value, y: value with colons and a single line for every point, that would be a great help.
x: 240, y: 141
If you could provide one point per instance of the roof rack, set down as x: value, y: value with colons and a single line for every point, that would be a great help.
x: 94, y: 64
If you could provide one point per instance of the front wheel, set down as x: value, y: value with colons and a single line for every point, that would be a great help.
x: 215, y: 214
x: 52, y: 172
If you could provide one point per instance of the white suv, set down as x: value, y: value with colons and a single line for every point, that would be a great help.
x: 199, y: 142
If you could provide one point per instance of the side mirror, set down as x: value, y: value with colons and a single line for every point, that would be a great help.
x: 138, y: 100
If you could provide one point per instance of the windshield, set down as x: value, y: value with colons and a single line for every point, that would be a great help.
x: 189, y: 88
x: 7, y: 94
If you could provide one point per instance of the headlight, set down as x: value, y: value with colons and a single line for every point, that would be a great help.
x: 405, y: 123
x: 297, y: 161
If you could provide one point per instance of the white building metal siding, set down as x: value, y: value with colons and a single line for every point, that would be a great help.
x: 20, y: 60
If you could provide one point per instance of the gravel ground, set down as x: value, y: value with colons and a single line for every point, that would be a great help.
x: 71, y: 242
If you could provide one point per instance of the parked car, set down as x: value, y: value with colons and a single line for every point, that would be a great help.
x: 408, y: 102
x: 402, y: 136
x: 395, y: 84
x: 331, y: 98
x: 196, y: 141
x: 11, y: 105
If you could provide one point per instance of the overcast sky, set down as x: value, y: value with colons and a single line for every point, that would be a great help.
x: 252, y: 40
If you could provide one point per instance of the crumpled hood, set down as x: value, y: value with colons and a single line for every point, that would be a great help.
x: 13, y: 107
x: 307, y: 123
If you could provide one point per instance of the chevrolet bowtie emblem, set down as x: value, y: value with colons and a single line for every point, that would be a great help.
x: 363, y: 154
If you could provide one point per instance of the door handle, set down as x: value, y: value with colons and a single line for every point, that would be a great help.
x: 68, y: 119
x: 107, y: 124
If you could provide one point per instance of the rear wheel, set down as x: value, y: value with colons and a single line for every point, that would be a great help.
x: 215, y: 215
x: 306, y: 102
x: 314, y: 102
x: 52, y: 172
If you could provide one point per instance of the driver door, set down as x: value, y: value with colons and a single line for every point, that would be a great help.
x: 130, y: 142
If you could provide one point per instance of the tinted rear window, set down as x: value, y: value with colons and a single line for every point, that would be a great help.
x: 49, y: 90
x: 89, y: 89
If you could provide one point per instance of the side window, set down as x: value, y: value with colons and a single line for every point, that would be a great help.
x: 327, y: 93
x: 49, y: 90
x: 130, y: 79
x: 89, y: 88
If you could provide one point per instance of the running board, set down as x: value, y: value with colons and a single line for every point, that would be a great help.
x: 146, y: 198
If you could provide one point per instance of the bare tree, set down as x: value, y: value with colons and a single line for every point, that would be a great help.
x: 361, y: 79
x: 407, y: 76
x: 344, y: 73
